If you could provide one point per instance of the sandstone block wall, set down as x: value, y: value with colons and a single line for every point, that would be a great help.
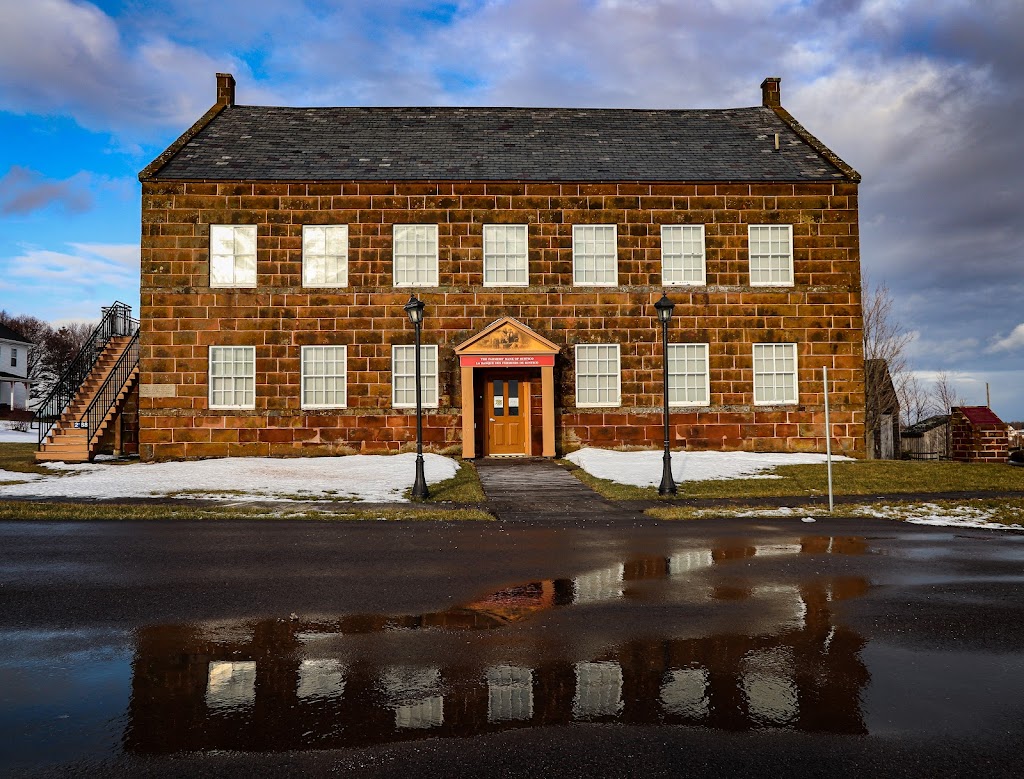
x: 182, y: 316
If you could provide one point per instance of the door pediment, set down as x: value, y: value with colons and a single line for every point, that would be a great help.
x: 505, y: 336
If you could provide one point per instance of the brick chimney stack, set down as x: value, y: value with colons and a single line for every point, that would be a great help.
x: 771, y: 92
x: 225, y: 89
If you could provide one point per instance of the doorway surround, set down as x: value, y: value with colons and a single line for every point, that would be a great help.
x: 507, y: 343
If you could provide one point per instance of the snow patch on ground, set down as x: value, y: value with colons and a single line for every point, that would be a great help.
x: 643, y: 469
x: 941, y: 516
x: 367, y: 478
x: 8, y: 436
x: 17, y: 476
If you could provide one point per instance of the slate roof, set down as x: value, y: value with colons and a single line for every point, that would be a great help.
x: 7, y: 334
x: 519, y: 144
x: 918, y: 429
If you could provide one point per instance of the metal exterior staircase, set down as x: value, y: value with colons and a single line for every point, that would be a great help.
x: 89, y: 397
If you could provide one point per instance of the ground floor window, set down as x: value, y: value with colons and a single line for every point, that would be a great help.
x: 324, y: 377
x: 403, y: 376
x: 774, y: 374
x: 597, y: 375
x: 688, y: 375
x: 232, y: 377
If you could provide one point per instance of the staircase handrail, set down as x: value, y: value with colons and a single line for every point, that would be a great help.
x: 117, y: 320
x: 106, y: 395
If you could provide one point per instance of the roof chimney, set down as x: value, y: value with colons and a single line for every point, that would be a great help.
x: 225, y: 89
x: 771, y: 92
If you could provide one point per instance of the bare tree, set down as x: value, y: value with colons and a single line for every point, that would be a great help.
x: 52, y: 349
x: 37, y: 331
x: 886, y: 339
x: 916, y: 401
x: 945, y: 395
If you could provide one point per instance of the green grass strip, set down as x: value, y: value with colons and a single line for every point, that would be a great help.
x: 47, y: 510
x: 863, y: 477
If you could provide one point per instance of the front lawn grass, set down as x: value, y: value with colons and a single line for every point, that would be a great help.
x: 21, y: 458
x: 47, y: 510
x: 463, y: 487
x: 864, y: 477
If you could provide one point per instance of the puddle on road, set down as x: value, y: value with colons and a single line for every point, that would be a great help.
x: 707, y: 638
x: 367, y: 679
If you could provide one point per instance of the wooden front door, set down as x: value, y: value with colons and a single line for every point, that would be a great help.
x: 507, y: 411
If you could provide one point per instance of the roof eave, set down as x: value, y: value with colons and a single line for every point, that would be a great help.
x: 150, y: 171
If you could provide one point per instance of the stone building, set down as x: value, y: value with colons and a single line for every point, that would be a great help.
x: 279, y: 246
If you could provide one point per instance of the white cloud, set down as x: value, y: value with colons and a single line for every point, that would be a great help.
x: 70, y: 285
x: 65, y: 57
x: 1015, y: 340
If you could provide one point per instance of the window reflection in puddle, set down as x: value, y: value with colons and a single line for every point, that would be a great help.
x: 366, y: 679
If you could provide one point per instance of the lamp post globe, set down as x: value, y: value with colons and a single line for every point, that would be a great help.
x: 665, y: 307
x: 414, y: 308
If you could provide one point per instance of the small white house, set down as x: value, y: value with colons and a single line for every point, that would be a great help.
x: 14, y: 381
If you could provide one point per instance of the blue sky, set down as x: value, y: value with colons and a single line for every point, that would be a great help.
x: 924, y: 97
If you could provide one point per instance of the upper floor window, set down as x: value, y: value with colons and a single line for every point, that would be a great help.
x: 14, y: 357
x: 775, y: 374
x: 682, y: 254
x: 506, y: 262
x: 415, y: 255
x: 595, y: 257
x: 324, y: 377
x: 598, y: 375
x: 232, y: 255
x: 403, y: 376
x: 688, y: 375
x: 771, y: 255
x: 325, y: 255
x: 232, y: 377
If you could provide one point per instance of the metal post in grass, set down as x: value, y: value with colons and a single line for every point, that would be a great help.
x: 664, y: 308
x: 828, y: 442
x: 414, y: 308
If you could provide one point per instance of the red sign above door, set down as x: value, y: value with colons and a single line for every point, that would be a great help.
x: 506, y: 360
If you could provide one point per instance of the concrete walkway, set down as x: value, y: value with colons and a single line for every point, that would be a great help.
x: 540, y: 490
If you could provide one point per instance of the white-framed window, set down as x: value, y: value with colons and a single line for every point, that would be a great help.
x: 415, y: 255
x: 324, y: 377
x: 14, y: 357
x: 688, y: 383
x: 598, y: 377
x: 232, y: 377
x: 775, y: 374
x: 325, y: 255
x: 682, y: 255
x: 506, y: 260
x: 595, y: 256
x: 770, y: 248
x: 232, y: 255
x: 403, y: 376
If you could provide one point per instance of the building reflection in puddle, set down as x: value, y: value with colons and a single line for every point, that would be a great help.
x: 273, y: 685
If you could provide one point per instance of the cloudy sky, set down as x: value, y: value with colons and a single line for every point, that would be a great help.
x: 924, y: 97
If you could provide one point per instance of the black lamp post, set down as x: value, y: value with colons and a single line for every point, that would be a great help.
x: 664, y: 308
x: 414, y: 308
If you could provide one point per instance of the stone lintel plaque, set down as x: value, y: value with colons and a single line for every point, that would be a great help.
x: 157, y: 390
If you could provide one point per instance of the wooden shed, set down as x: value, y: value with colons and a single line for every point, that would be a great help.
x: 927, y: 439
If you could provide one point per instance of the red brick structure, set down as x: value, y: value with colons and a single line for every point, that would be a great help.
x: 539, y: 240
x: 977, y: 435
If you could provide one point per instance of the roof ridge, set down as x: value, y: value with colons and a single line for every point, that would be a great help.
x: 497, y: 108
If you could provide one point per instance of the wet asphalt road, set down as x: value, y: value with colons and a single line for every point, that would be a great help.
x: 713, y: 648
